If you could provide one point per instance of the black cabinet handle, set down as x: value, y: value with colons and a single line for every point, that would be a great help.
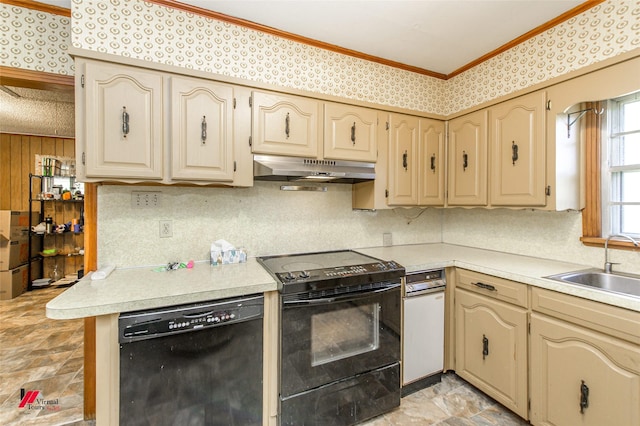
x: 584, y: 396
x: 353, y: 133
x: 203, y: 129
x: 287, y: 129
x: 404, y: 160
x: 485, y: 346
x: 433, y: 163
x: 514, y: 152
x: 125, y: 122
x: 465, y: 161
x: 485, y: 286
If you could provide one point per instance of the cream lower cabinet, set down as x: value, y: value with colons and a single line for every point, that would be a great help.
x: 585, y: 362
x: 491, y: 341
x: 201, y: 130
x: 120, y: 130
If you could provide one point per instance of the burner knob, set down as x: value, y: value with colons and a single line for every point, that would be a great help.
x: 304, y: 274
x: 289, y: 276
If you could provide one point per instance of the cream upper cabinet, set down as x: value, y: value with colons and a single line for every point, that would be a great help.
x: 285, y: 125
x: 403, y: 160
x: 123, y: 122
x: 517, y: 139
x: 350, y: 133
x: 467, y: 156
x: 431, y: 163
x: 584, y: 362
x: 201, y: 130
x: 491, y: 340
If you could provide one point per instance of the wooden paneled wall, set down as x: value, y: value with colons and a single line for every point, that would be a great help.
x: 18, y: 159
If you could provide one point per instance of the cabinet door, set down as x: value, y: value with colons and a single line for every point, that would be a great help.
x: 491, y: 348
x: 517, y: 135
x: 350, y: 133
x: 582, y: 378
x: 201, y: 130
x: 285, y: 125
x: 468, y: 160
x: 431, y: 163
x: 123, y: 113
x: 403, y: 161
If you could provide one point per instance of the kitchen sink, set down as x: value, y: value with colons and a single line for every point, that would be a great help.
x: 595, y: 278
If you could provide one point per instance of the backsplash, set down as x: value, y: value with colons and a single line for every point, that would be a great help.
x: 263, y: 219
x: 545, y: 234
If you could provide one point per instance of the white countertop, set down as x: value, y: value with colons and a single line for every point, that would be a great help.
x: 133, y: 289
x: 140, y: 288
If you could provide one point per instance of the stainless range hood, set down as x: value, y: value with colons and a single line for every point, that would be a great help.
x: 298, y: 169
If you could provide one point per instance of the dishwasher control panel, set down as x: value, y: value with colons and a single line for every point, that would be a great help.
x: 424, y: 282
x: 164, y: 321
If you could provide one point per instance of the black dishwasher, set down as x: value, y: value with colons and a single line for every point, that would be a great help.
x: 197, y: 364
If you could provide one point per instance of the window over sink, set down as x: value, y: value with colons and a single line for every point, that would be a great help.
x: 621, y: 167
x: 612, y: 152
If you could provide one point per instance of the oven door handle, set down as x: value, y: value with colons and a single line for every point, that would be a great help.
x: 340, y: 298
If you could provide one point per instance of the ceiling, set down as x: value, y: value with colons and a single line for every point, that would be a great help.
x: 440, y: 36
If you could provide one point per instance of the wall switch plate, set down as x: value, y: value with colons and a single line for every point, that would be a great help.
x: 166, y: 229
x: 145, y: 199
x: 386, y: 239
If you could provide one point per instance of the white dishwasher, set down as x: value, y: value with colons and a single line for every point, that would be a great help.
x: 423, y: 333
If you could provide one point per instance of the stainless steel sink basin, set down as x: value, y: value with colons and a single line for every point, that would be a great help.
x: 596, y: 278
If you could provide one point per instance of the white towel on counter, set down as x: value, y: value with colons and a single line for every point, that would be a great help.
x: 102, y: 273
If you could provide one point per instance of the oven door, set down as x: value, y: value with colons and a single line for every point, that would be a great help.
x: 328, y: 339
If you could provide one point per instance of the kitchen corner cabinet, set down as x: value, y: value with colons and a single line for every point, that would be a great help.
x: 285, y: 125
x: 467, y: 156
x: 491, y: 338
x: 517, y: 139
x: 123, y: 119
x: 201, y: 130
x: 372, y: 195
x: 585, y: 362
x: 403, y: 160
x: 431, y: 163
x: 350, y: 133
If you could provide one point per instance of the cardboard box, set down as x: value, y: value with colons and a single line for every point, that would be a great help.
x: 15, y: 224
x: 14, y: 253
x: 12, y: 282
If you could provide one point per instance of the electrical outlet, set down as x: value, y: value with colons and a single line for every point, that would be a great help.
x: 386, y: 239
x: 166, y: 229
x: 145, y: 199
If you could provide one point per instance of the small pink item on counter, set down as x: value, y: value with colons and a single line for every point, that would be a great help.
x: 190, y: 264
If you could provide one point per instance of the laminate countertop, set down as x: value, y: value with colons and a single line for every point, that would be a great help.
x: 134, y: 289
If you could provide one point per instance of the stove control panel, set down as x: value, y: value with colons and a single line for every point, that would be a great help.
x: 336, y: 272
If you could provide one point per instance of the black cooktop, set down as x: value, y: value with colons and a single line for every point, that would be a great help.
x: 312, y: 271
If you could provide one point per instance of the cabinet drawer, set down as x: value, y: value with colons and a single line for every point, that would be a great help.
x: 618, y: 322
x: 497, y: 288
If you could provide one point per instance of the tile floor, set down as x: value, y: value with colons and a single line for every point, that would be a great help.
x: 47, y: 355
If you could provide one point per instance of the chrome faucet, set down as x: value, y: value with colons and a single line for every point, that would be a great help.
x: 607, y: 264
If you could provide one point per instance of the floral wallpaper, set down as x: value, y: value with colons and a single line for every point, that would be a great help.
x: 35, y: 40
x: 607, y: 30
x: 158, y: 34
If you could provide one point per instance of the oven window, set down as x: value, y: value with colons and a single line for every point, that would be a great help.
x: 343, y: 333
